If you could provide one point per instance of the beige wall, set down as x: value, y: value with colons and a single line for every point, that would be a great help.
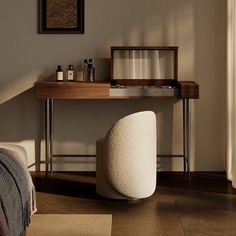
x: 198, y: 27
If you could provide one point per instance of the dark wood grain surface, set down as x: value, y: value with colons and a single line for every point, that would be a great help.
x: 204, y: 205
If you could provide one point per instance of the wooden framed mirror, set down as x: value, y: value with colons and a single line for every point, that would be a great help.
x: 144, y: 65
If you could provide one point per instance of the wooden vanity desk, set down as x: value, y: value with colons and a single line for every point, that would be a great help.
x: 128, y: 82
x: 50, y: 91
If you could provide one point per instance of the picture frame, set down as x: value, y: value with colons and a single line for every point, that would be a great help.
x: 61, y: 17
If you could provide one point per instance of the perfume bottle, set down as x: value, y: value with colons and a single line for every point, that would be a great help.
x: 85, y: 70
x: 90, y: 71
x: 70, y: 73
x: 59, y: 72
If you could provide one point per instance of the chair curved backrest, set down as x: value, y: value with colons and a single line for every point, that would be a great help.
x: 130, y: 155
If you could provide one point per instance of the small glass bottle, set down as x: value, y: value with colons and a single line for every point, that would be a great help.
x: 85, y: 70
x: 70, y: 73
x: 91, y: 71
x: 59, y: 72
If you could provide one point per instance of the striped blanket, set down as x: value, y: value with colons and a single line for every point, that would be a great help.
x: 17, y: 192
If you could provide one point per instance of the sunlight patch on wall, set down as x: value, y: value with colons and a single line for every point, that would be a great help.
x: 19, y: 85
x: 70, y: 163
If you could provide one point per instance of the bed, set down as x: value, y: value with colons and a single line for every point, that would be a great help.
x: 17, y: 192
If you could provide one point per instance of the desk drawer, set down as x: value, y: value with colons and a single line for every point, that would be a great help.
x: 71, y: 90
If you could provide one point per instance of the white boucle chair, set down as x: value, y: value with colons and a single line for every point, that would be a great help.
x: 126, y: 158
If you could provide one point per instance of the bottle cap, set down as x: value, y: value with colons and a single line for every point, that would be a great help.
x: 70, y: 67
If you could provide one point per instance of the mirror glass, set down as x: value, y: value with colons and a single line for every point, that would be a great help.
x: 143, y: 64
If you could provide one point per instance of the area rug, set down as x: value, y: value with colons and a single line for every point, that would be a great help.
x: 70, y: 225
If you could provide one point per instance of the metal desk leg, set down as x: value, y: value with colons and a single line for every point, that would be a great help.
x: 186, y: 135
x: 48, y: 134
x: 47, y: 141
x: 51, y: 127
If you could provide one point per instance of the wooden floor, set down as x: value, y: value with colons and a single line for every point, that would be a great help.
x: 204, y: 205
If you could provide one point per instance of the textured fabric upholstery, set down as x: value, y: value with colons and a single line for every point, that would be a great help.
x: 17, y: 192
x: 21, y: 152
x: 126, y: 158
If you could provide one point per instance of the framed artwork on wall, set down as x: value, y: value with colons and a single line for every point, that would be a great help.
x: 61, y: 16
